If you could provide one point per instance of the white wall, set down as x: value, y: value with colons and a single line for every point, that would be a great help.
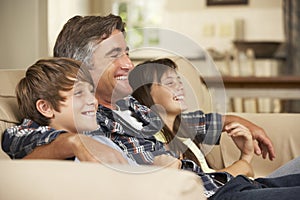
x: 263, y: 20
x: 23, y: 35
x: 59, y: 11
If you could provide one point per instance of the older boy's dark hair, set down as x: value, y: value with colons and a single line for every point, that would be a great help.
x: 44, y: 80
x: 81, y: 34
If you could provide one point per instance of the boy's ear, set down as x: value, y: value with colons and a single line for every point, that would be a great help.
x: 44, y: 108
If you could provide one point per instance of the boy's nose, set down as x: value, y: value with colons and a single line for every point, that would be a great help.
x: 91, y: 100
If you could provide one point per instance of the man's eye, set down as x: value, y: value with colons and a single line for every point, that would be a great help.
x: 117, y: 55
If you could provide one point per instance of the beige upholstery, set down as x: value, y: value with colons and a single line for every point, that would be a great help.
x: 53, y: 180
x: 284, y: 131
x: 282, y: 128
x: 9, y: 114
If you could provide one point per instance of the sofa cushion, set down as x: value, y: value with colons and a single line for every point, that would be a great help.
x: 9, y: 116
x: 9, y: 111
x: 9, y: 79
x: 283, y: 130
x: 37, y: 179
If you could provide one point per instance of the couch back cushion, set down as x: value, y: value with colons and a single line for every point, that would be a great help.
x: 9, y: 114
x: 284, y: 131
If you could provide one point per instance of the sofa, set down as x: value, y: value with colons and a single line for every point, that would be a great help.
x: 54, y: 179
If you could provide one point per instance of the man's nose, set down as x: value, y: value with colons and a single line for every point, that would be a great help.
x: 125, y: 62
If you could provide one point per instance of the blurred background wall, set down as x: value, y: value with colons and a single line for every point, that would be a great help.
x: 29, y: 27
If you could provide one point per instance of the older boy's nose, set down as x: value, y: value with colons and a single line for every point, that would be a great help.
x: 91, y: 99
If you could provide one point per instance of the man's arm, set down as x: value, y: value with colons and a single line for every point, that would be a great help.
x: 83, y: 147
x: 18, y: 141
x: 32, y: 141
x: 263, y: 146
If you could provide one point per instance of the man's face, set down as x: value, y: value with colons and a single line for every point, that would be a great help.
x: 111, y: 68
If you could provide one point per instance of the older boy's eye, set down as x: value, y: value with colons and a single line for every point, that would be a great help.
x: 78, y: 93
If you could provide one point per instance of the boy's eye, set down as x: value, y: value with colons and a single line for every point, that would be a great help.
x: 77, y: 93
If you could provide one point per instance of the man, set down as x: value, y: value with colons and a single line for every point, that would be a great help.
x: 99, y: 43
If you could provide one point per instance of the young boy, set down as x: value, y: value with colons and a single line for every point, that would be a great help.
x: 58, y: 94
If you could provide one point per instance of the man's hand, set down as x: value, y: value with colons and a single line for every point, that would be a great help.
x: 262, y: 145
x: 83, y: 147
x: 87, y: 149
x: 167, y: 161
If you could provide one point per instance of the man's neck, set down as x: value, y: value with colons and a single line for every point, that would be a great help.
x: 107, y: 104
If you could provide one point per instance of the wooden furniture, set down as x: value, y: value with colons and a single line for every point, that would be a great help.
x: 276, y: 87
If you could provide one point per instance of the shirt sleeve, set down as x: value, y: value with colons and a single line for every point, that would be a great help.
x: 206, y: 128
x: 19, y: 141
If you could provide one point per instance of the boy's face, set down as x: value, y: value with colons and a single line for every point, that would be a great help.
x: 111, y: 68
x: 78, y: 111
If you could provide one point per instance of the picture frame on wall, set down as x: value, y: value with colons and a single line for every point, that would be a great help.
x: 226, y: 2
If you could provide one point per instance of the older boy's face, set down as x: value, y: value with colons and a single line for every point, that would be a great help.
x: 111, y: 68
x: 78, y: 111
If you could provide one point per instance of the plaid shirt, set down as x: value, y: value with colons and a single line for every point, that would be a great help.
x: 139, y: 145
x: 19, y: 141
x: 206, y: 128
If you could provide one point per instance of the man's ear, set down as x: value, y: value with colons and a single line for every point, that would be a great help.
x: 44, y: 108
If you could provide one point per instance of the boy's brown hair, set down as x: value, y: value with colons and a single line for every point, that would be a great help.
x: 44, y: 80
